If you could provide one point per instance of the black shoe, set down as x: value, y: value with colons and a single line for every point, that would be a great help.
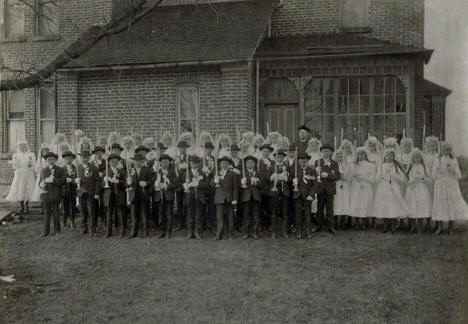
x: 332, y: 230
x: 84, y: 232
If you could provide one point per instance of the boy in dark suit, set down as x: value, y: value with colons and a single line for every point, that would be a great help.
x: 181, y: 165
x: 280, y: 194
x: 265, y: 170
x: 100, y: 164
x: 303, y: 193
x: 226, y: 193
x: 88, y: 185
x: 250, y: 198
x: 209, y: 209
x: 327, y: 174
x: 165, y: 186
x: 195, y: 185
x: 69, y: 189
x: 236, y: 168
x: 141, y: 178
x: 114, y: 196
x: 53, y: 181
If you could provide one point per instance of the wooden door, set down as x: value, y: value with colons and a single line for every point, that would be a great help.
x: 281, y: 118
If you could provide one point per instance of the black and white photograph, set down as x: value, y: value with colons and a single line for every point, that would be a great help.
x: 234, y: 161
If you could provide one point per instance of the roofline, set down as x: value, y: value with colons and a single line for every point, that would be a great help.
x: 153, y: 65
x: 428, y: 54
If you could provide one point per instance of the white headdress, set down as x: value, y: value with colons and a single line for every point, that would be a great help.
x: 283, y: 143
x: 273, y: 138
x: 313, y: 142
x: 149, y: 142
x: 167, y: 135
x: 114, y: 138
x: 258, y: 138
x: 373, y: 140
x: 431, y: 139
x: 248, y: 137
x: 137, y: 139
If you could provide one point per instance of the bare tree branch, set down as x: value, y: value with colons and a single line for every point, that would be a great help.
x: 123, y: 21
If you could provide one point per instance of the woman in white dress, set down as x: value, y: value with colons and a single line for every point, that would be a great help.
x: 24, y: 181
x: 40, y: 164
x: 389, y: 203
x: 417, y: 196
x: 362, y: 188
x: 341, y: 201
x: 448, y: 205
x: 348, y: 147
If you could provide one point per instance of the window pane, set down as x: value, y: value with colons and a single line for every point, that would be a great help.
x: 378, y: 104
x: 363, y: 129
x: 354, y: 13
x: 188, y: 126
x: 353, y: 104
x: 16, y: 101
x: 400, y: 88
x: 47, y: 131
x: 15, y: 18
x: 343, y: 88
x: 316, y: 124
x: 353, y: 86
x: 329, y: 105
x: 389, y: 85
x: 15, y: 133
x: 364, y: 86
x: 317, y: 87
x: 401, y: 103
x: 2, y: 23
x: 343, y: 105
x: 188, y: 107
x: 378, y: 86
x: 328, y: 87
x: 379, y: 123
x: 47, y: 104
x: 390, y: 125
x: 343, y: 124
x: 389, y: 104
x: 353, y: 127
x: 400, y: 123
x: 49, y: 19
x: 365, y: 104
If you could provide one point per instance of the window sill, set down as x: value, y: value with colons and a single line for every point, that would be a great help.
x: 357, y: 30
x: 46, y: 38
x: 6, y: 156
x: 16, y: 39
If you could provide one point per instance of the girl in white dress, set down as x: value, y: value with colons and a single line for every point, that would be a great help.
x: 341, y: 201
x: 128, y: 149
x: 448, y: 205
x: 417, y: 194
x: 348, y: 147
x: 389, y: 203
x: 313, y: 150
x: 362, y: 188
x: 40, y: 164
x: 374, y: 154
x: 22, y: 188
x: 248, y: 138
x: 223, y: 146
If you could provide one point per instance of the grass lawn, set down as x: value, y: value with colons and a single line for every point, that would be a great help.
x: 353, y: 277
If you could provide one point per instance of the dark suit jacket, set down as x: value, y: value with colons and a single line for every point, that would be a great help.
x: 251, y: 192
x: 54, y: 189
x: 264, y: 173
x: 327, y: 185
x: 115, y: 194
x: 90, y: 184
x: 228, y: 189
x: 146, y: 174
x: 169, y: 192
x: 201, y: 191
x: 305, y: 189
x: 69, y: 188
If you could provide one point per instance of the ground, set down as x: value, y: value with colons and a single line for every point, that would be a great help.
x: 353, y: 277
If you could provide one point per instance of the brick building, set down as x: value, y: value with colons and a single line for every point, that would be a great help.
x: 355, y: 65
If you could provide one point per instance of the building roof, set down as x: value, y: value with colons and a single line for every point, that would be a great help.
x: 336, y: 44
x: 186, y: 33
x: 431, y: 89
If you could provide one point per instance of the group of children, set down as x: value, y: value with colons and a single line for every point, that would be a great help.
x: 253, y: 185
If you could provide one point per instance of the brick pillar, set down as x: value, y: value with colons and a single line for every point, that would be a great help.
x: 67, y: 103
x: 238, y: 102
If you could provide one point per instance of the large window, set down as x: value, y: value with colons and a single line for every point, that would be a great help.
x: 187, y: 109
x: 356, y: 105
x: 354, y: 14
x: 11, y: 18
x: 46, y: 114
x: 15, y: 107
x: 46, y: 17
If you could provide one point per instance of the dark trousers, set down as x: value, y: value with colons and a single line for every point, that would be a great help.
x: 164, y: 208
x: 194, y: 209
x: 139, y: 212
x: 302, y: 211
x: 99, y: 209
x: 115, y: 215
x: 88, y: 213
x: 325, y: 201
x: 181, y: 209
x: 279, y: 215
x: 224, y: 219
x: 51, y: 208
x: 251, y: 211
x: 210, y: 211
x: 265, y: 211
x: 155, y: 216
x: 69, y: 203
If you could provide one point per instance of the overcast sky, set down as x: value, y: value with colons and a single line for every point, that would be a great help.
x: 446, y: 32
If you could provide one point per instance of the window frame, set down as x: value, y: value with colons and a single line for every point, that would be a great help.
x: 39, y: 119
x: 38, y: 21
x: 6, y: 121
x: 365, y: 28
x: 6, y: 22
x: 179, y: 88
